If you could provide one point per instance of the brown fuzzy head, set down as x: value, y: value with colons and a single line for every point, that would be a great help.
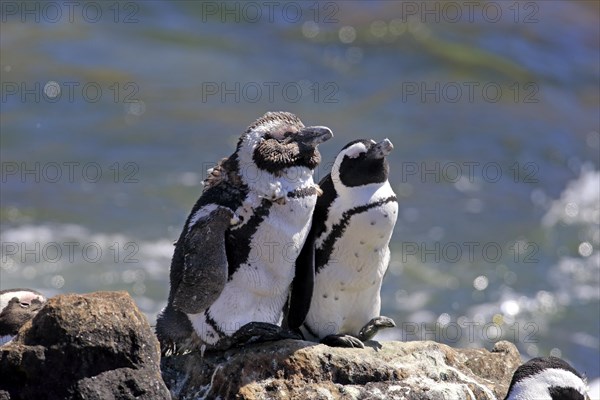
x: 279, y: 140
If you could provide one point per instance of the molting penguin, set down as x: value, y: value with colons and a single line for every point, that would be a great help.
x: 17, y: 306
x: 347, y: 251
x: 549, y: 378
x: 234, y: 261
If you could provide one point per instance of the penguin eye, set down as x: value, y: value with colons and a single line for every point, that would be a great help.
x: 269, y: 136
x: 281, y: 138
x: 24, y: 305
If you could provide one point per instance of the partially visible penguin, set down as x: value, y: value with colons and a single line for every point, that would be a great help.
x: 347, y: 251
x: 234, y: 261
x: 547, y: 378
x: 17, y: 306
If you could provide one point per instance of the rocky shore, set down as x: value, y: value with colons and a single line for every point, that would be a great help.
x: 100, y: 346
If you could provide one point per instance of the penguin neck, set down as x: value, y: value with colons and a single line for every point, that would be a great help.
x: 364, y: 194
x: 274, y: 187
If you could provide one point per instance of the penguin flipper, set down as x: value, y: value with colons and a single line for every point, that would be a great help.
x: 303, y: 284
x: 205, y: 266
x: 174, y: 331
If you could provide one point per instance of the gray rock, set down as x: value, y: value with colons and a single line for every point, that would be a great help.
x: 93, y: 346
x: 292, y: 369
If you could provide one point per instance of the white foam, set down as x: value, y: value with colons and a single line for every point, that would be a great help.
x: 141, y: 262
x: 579, y: 203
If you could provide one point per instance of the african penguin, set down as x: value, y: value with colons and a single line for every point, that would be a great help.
x: 547, y: 378
x: 336, y: 292
x: 17, y: 306
x: 234, y: 261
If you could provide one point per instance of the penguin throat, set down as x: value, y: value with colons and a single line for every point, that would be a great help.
x: 275, y: 187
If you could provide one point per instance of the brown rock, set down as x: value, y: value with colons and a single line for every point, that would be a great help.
x: 294, y: 369
x: 100, y: 346
x: 93, y: 346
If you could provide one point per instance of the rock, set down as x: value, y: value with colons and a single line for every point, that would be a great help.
x: 293, y: 369
x: 93, y: 346
x: 100, y: 346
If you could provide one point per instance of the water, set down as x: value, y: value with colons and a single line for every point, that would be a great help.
x: 107, y: 129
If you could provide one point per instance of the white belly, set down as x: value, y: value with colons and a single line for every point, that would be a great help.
x: 259, y: 288
x: 346, y: 294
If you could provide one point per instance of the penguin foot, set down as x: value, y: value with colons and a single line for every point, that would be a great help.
x: 174, y: 332
x: 258, y: 332
x: 343, y: 341
x: 374, y: 325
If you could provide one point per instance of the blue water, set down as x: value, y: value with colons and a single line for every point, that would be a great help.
x: 495, y: 126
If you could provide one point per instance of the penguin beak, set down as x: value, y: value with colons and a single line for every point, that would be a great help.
x: 313, y: 135
x: 381, y: 149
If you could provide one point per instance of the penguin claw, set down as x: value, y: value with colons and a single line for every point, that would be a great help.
x: 343, y: 341
x: 259, y: 332
x: 374, y: 325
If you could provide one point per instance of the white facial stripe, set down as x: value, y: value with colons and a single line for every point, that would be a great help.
x: 269, y: 126
x: 353, y: 151
x: 245, y: 153
x: 536, y: 387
